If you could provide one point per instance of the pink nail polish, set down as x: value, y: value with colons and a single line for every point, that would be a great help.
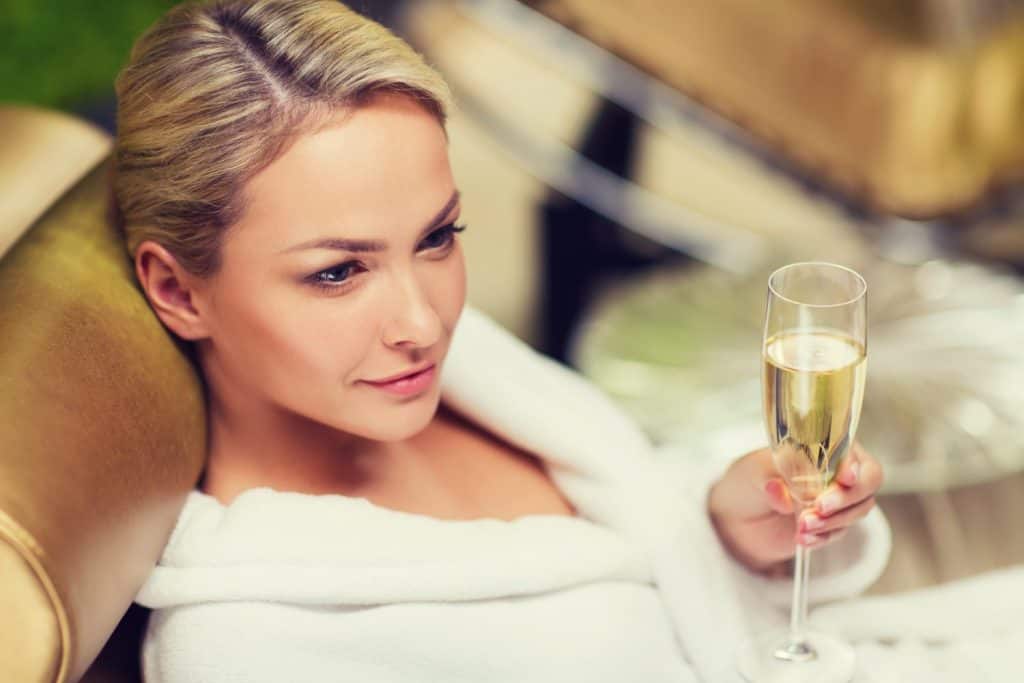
x: 830, y: 502
x: 812, y: 522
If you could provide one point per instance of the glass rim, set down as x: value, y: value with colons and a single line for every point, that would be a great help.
x: 859, y: 278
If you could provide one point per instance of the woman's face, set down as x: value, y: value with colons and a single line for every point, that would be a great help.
x: 343, y: 270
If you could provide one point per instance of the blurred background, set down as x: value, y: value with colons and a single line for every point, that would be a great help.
x: 633, y: 171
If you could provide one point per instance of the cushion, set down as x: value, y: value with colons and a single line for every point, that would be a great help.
x: 103, y: 436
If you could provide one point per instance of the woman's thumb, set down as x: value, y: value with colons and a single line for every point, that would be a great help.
x: 778, y: 496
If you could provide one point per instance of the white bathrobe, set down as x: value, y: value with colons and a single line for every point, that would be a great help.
x: 289, y: 587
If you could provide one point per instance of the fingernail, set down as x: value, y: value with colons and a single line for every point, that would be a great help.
x: 829, y: 502
x: 774, y: 489
x: 812, y: 522
x: 854, y: 473
x: 810, y: 539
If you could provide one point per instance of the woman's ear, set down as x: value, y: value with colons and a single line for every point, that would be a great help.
x: 176, y: 296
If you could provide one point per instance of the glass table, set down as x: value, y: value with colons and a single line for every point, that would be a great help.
x: 679, y: 349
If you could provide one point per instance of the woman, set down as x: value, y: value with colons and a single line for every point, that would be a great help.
x: 397, y: 488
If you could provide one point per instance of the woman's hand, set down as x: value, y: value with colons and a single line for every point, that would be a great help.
x: 755, y: 516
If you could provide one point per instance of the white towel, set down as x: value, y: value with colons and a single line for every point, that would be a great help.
x: 288, y: 586
x: 966, y: 630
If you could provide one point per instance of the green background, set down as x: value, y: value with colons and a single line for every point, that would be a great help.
x: 64, y: 54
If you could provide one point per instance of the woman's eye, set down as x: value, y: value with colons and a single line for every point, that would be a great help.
x: 442, y: 237
x: 335, y: 277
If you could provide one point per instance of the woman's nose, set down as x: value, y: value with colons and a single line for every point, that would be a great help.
x: 412, y: 322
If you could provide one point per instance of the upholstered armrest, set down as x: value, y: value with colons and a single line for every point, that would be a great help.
x: 43, y: 154
x: 102, y: 436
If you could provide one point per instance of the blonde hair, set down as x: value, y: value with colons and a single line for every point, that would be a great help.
x: 213, y: 92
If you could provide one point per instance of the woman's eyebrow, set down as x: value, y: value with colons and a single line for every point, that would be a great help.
x: 361, y: 245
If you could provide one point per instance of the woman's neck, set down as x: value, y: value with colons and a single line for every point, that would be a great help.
x: 289, y: 453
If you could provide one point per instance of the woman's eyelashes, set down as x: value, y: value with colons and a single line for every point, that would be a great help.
x: 443, y: 237
x: 335, y: 277
x: 338, y: 277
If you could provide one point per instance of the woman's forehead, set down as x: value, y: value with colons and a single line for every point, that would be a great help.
x: 384, y: 165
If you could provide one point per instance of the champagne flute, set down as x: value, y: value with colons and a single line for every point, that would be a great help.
x: 814, y: 360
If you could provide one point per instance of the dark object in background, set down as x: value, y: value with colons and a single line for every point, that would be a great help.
x: 119, y: 661
x: 581, y: 249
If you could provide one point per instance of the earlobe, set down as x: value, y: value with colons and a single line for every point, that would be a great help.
x: 170, y: 291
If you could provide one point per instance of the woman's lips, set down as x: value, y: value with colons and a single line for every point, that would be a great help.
x: 410, y: 384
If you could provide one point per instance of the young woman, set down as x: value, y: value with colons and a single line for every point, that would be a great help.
x: 396, y: 487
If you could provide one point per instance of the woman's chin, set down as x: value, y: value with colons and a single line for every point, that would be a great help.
x: 407, y: 422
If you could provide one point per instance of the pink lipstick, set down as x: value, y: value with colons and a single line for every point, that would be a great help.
x: 408, y: 385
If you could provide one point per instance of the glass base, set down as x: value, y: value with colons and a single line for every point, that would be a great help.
x: 772, y: 658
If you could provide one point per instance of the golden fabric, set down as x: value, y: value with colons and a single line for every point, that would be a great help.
x: 103, y: 434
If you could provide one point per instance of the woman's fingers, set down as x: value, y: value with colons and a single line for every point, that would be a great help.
x: 778, y: 496
x: 814, y: 523
x: 846, y: 501
x: 849, y: 469
x: 817, y: 540
x: 857, y: 479
x: 750, y: 489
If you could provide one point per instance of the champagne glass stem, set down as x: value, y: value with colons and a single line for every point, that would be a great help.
x: 796, y: 648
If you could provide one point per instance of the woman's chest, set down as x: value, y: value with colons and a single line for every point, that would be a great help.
x: 463, y: 472
x: 452, y: 470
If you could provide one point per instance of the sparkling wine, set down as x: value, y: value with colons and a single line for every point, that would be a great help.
x: 813, y: 387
